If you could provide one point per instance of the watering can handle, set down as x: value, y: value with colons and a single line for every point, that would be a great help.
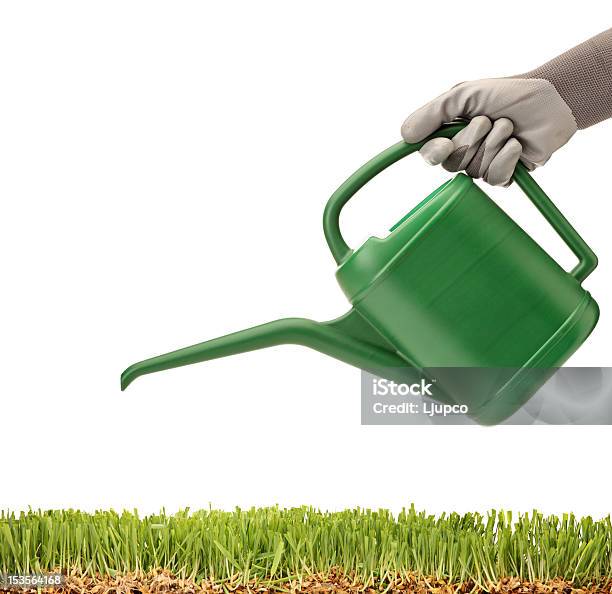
x: 587, y: 260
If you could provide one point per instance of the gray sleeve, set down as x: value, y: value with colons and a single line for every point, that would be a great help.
x: 583, y: 77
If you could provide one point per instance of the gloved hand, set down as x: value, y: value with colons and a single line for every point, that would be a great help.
x: 526, y: 117
x: 511, y: 119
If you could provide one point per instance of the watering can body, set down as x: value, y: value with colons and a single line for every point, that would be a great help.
x: 455, y: 284
x: 458, y: 284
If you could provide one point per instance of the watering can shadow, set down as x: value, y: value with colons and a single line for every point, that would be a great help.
x: 456, y: 284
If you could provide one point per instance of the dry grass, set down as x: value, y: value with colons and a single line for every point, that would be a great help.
x: 163, y: 582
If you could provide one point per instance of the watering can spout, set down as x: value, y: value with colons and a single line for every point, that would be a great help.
x: 348, y: 338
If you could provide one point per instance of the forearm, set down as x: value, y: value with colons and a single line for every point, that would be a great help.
x: 583, y: 77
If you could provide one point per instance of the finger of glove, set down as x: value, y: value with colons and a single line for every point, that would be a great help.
x: 490, y: 146
x: 503, y: 164
x: 437, y: 150
x: 427, y: 119
x: 467, y: 142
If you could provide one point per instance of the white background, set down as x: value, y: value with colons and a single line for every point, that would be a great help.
x: 163, y: 171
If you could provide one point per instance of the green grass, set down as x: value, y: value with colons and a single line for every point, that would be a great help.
x: 273, y: 544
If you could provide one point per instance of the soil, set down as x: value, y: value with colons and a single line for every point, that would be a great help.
x: 161, y: 582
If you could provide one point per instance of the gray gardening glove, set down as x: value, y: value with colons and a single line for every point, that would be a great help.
x: 526, y: 117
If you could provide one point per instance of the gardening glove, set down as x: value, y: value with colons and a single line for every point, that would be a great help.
x: 526, y: 117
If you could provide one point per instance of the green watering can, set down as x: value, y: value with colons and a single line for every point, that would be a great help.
x: 456, y: 284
